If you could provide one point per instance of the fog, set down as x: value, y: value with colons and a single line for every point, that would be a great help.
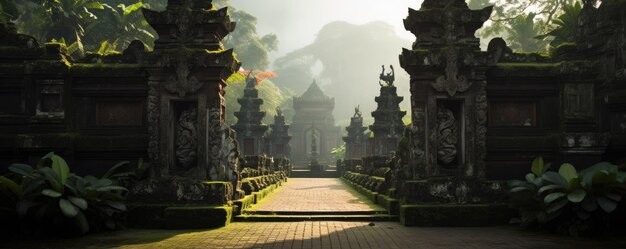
x: 342, y: 44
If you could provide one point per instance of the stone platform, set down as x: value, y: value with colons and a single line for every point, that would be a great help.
x: 315, y: 199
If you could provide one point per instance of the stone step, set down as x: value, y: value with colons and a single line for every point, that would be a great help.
x: 314, y: 213
x: 314, y: 174
x: 274, y: 218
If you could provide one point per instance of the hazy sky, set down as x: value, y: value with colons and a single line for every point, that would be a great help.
x: 296, y: 22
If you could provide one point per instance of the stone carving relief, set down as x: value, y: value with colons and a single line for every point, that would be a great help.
x: 447, y: 126
x: 224, y: 151
x: 452, y: 82
x: 182, y: 82
x: 186, y: 138
x: 154, y: 114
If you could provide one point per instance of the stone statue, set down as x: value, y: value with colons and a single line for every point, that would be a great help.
x: 357, y: 112
x: 388, y: 78
x: 279, y: 112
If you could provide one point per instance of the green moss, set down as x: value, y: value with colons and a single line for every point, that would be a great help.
x: 179, y: 217
x: 527, y: 68
x: 109, y: 70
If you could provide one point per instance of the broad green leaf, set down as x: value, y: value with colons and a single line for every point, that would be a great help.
x: 41, y: 163
x: 613, y: 196
x: 51, y: 193
x: 552, y: 197
x: 52, y: 178
x: 94, y: 5
x: 117, y: 205
x: 132, y: 8
x: 538, y: 166
x: 555, y: 178
x: 12, y: 186
x: 81, y: 222
x: 550, y: 187
x: 556, y: 206
x: 114, y: 169
x: 530, y: 177
x: 577, y: 196
x: 568, y: 172
x: 79, y: 202
x: 68, y: 209
x: 21, y: 169
x: 60, y: 167
x: 607, y: 205
x: 519, y: 189
x: 103, y: 48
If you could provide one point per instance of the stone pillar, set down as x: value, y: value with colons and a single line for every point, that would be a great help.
x: 356, y: 140
x: 448, y: 98
x: 193, y: 155
x: 444, y: 148
x: 249, y: 127
x: 279, y: 137
x: 388, y: 125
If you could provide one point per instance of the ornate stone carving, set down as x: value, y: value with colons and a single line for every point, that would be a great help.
x: 481, y: 131
x: 154, y: 114
x: 183, y: 82
x: 186, y: 138
x: 452, y: 82
x: 447, y: 135
x: 223, y: 151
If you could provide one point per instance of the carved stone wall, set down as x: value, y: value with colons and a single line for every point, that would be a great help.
x: 448, y: 97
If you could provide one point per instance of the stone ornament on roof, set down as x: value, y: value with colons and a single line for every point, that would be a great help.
x: 388, y: 78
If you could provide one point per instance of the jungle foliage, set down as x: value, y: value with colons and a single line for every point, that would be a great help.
x: 48, y: 199
x: 570, y: 201
x: 530, y: 25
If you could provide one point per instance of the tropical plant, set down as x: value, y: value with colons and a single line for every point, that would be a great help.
x: 48, y: 197
x: 506, y: 13
x: 8, y: 11
x: 569, y: 201
x: 59, y: 19
x: 565, y: 25
x: 119, y: 25
x: 523, y: 32
x: 339, y: 153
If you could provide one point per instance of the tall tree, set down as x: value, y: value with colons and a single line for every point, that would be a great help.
x: 253, y: 50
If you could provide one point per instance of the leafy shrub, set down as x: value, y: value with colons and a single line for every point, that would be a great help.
x: 50, y: 197
x: 569, y: 201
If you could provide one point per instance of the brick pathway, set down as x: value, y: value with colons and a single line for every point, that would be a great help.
x: 316, y: 194
x: 324, y: 234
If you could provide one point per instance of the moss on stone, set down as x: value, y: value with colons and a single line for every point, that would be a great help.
x: 178, y: 217
x: 520, y: 69
x: 105, y: 69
